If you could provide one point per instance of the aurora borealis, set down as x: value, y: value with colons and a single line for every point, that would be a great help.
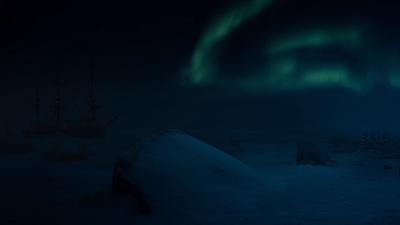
x: 243, y: 64
x: 200, y: 71
x: 330, y: 44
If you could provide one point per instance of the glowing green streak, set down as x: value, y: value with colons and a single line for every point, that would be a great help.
x: 283, y: 71
x: 394, y: 80
x: 281, y: 66
x: 317, y: 38
x: 331, y: 77
x: 393, y: 70
x: 201, y: 67
x: 286, y: 78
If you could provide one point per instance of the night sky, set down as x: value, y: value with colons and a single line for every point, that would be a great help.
x: 287, y: 66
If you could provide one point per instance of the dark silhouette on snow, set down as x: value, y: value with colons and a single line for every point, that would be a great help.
x: 372, y: 136
x: 364, y: 136
x: 310, y: 153
x: 122, y: 186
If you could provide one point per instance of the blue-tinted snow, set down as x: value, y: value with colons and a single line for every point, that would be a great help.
x: 190, y: 182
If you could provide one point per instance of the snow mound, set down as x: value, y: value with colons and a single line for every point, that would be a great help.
x: 182, y: 174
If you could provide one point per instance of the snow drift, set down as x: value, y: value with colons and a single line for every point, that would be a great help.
x: 182, y: 175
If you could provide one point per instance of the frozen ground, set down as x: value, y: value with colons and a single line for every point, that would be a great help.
x: 190, y: 182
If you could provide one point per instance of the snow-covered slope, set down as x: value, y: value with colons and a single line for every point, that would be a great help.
x: 189, y: 182
x: 188, y: 179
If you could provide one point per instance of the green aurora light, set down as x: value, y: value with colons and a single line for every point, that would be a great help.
x: 348, y: 37
x: 284, y: 68
x: 201, y: 67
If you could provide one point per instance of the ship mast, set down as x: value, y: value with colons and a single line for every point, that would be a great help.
x: 57, y: 106
x: 92, y: 100
x: 37, y: 104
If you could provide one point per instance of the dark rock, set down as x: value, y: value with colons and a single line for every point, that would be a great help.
x: 386, y: 167
x: 122, y: 186
x: 310, y: 153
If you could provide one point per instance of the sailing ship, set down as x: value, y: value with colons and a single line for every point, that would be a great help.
x: 88, y: 128
x: 40, y: 128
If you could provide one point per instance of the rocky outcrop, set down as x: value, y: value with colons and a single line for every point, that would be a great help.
x: 123, y: 186
x: 310, y: 153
